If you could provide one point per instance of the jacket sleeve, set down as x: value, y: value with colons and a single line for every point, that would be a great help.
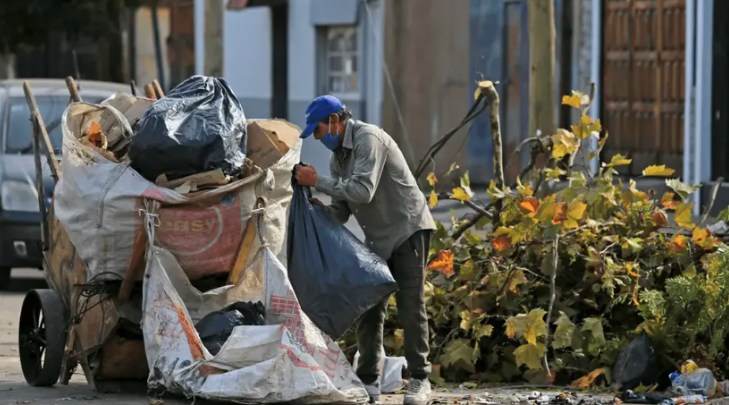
x: 338, y: 207
x: 370, y: 155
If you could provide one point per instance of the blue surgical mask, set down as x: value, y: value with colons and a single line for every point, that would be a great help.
x: 329, y: 140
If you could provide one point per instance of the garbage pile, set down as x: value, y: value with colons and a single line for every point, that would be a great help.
x: 195, y: 153
x: 209, y: 189
x: 637, y: 366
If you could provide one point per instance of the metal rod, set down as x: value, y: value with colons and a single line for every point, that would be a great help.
x: 133, y: 85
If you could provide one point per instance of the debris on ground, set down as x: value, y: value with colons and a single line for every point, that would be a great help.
x: 636, y: 365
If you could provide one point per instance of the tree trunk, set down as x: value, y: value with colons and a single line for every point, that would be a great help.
x: 214, y: 12
x: 542, y: 61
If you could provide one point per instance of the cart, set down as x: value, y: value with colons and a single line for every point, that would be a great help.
x: 79, y: 322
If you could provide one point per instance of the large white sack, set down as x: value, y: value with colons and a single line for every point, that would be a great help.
x: 289, y: 359
x: 98, y: 202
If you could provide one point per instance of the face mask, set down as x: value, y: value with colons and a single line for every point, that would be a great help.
x: 329, y: 140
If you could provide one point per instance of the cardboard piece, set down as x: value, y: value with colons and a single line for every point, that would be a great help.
x: 212, y: 178
x: 133, y: 109
x: 269, y: 140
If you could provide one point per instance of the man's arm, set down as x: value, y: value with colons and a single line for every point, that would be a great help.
x: 370, y: 155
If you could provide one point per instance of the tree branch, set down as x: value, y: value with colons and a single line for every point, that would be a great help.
x: 714, y: 193
x: 473, y: 112
x: 552, y: 297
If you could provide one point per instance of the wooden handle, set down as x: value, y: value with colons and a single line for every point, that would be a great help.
x: 158, y: 89
x: 73, y: 90
x: 135, y: 268
x: 149, y: 91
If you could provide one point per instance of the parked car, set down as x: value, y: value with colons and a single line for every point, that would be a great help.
x: 20, y: 236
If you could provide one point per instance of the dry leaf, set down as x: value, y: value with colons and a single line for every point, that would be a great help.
x: 656, y: 170
x: 501, y: 243
x: 460, y: 195
x: 660, y: 219
x: 683, y: 215
x: 530, y: 204
x: 433, y: 200
x: 573, y: 101
x: 591, y: 379
x: 443, y: 263
x: 668, y: 202
x: 432, y: 179
x: 677, y: 244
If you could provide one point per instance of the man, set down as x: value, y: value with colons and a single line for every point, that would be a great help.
x: 370, y: 179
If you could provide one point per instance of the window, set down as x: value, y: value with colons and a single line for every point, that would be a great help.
x: 18, y: 136
x: 339, y: 63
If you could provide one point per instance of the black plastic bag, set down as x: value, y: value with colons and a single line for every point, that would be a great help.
x: 636, y: 365
x: 335, y: 276
x: 197, y: 127
x: 215, y: 328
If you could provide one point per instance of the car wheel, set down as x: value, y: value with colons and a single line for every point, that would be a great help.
x: 5, y: 278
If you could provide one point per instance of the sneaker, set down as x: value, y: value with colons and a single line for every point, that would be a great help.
x: 374, y: 392
x: 418, y: 392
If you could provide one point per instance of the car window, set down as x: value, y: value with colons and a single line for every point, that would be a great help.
x: 18, y: 135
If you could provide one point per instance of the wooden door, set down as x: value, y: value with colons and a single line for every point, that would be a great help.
x: 643, y: 81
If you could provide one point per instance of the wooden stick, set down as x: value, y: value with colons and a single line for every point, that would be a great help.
x: 150, y: 92
x: 44, y: 139
x: 158, y: 89
x: 135, y: 267
x: 244, y: 252
x: 73, y: 90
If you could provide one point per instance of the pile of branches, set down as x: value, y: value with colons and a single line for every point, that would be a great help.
x: 546, y: 287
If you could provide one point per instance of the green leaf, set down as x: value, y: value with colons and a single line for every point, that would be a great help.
x: 563, y: 335
x: 483, y: 331
x: 682, y: 189
x: 466, y: 320
x: 516, y: 326
x: 530, y: 355
x: 618, y: 160
x: 476, y: 355
x: 594, y: 326
x: 458, y: 354
x: 724, y: 215
x: 465, y: 180
x: 535, y: 326
x: 453, y: 167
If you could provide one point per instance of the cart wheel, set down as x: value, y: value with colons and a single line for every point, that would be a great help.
x: 42, y: 337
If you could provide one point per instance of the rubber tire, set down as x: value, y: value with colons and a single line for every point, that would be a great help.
x: 54, y: 316
x: 5, y: 273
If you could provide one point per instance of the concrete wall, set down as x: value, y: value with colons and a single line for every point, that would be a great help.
x: 247, y: 60
x: 426, y: 50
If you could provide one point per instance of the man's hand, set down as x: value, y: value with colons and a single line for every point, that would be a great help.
x: 306, y: 175
x: 317, y: 201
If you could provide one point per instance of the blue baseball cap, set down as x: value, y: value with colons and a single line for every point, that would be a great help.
x: 319, y: 109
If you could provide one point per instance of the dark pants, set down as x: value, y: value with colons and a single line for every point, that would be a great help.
x: 407, y: 265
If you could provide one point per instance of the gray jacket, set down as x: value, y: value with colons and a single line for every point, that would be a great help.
x: 372, y: 181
